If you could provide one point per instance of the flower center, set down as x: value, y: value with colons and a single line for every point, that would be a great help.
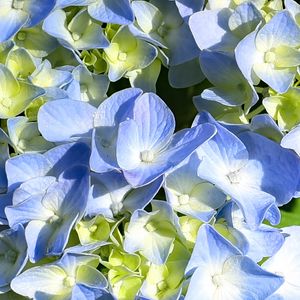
x: 151, y: 227
x: 69, y: 281
x: 147, y: 156
x: 217, y: 279
x: 21, y: 36
x: 76, y: 36
x: 53, y: 219
x: 233, y: 177
x: 93, y: 228
x: 270, y: 57
x: 122, y: 56
x: 162, y: 285
x: 183, y: 199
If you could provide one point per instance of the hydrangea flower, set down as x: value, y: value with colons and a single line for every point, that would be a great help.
x: 15, y: 95
x: 146, y: 146
x: 74, y: 275
x: 220, y: 271
x: 239, y: 166
x: 50, y: 209
x: 270, y: 53
x: 25, y: 136
x: 265, y: 241
x: 111, y: 195
x: 228, y: 26
x: 80, y: 33
x: 189, y: 194
x: 127, y: 53
x: 152, y: 234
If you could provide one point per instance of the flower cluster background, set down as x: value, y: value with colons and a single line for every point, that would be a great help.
x: 149, y: 150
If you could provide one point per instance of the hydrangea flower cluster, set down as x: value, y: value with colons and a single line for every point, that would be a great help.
x: 108, y: 193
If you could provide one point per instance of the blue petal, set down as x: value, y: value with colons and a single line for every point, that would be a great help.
x: 222, y: 71
x: 281, y: 168
x: 185, y: 74
x: 110, y: 113
x: 38, y: 10
x: 112, y: 11
x: 70, y: 120
x: 66, y: 156
x: 24, y: 167
x: 188, y: 7
x: 215, y: 21
x: 210, y: 248
x: 181, y: 146
x: 11, y: 22
x: 246, y: 54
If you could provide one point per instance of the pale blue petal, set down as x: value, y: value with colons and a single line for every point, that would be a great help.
x: 112, y: 11
x: 38, y: 10
x: 140, y: 197
x: 281, y: 168
x: 181, y: 45
x: 279, y: 79
x: 24, y: 167
x: 292, y: 140
x: 188, y: 7
x: 129, y: 146
x: 281, y: 30
x: 34, y: 186
x: 286, y: 263
x: 110, y: 113
x: 24, y: 212
x: 75, y: 186
x: 186, y: 74
x: 181, y: 146
x: 54, y: 25
x: 66, y: 156
x: 66, y: 120
x: 246, y: 55
x: 215, y: 21
x: 211, y: 248
x: 65, y: 3
x: 11, y: 22
x: 46, y: 239
x: 155, y: 122
x: 47, y: 279
x: 244, y: 19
